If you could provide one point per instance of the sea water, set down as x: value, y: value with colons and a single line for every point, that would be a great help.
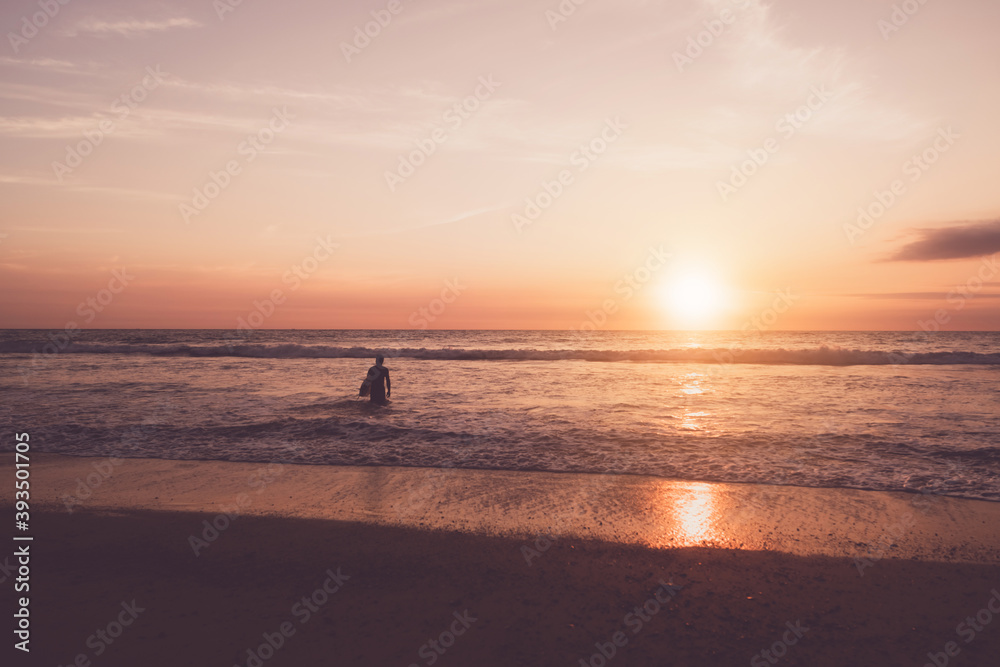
x: 869, y: 410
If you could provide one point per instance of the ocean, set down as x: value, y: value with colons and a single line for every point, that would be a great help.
x: 867, y: 410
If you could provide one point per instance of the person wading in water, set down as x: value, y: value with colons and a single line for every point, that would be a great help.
x: 381, y: 388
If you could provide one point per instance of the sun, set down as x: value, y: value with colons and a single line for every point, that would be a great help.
x: 695, y: 298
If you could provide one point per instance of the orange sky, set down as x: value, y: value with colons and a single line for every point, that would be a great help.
x: 217, y: 158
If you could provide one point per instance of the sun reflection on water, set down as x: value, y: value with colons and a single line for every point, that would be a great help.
x: 691, y: 386
x: 690, y: 422
x: 691, y: 383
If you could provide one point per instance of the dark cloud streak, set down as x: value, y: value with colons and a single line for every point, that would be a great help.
x: 956, y: 242
x: 935, y: 296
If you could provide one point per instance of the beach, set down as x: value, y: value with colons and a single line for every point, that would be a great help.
x: 475, y: 334
x: 208, y: 562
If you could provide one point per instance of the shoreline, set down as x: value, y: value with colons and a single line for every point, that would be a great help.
x: 526, y: 471
x: 624, y: 509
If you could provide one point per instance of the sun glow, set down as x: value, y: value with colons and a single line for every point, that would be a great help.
x: 695, y: 299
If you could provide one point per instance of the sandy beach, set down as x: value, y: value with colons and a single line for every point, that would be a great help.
x: 475, y: 334
x: 171, y: 562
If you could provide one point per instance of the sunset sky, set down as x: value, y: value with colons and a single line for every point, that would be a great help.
x: 117, y: 116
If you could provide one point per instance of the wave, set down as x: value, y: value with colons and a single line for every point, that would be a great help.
x: 819, y: 356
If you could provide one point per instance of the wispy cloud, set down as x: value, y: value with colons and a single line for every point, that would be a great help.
x: 458, y: 217
x: 49, y: 65
x: 760, y: 58
x: 17, y: 179
x: 129, y: 27
x: 961, y: 241
x: 35, y: 128
x: 47, y: 182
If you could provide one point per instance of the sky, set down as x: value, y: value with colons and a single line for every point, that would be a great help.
x: 691, y: 164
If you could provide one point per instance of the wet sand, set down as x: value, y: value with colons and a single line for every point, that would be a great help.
x: 552, y: 568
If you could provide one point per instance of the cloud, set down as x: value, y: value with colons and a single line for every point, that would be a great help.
x: 956, y: 242
x: 918, y: 296
x: 458, y: 217
x: 23, y: 180
x: 130, y: 27
x: 48, y: 64
x: 761, y: 58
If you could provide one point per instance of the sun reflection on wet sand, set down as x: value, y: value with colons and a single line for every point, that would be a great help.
x: 689, y: 510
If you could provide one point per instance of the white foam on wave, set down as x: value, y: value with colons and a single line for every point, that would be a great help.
x: 818, y: 356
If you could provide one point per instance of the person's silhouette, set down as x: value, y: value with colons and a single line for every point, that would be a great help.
x: 381, y: 388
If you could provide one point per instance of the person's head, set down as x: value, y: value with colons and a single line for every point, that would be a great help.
x: 379, y: 359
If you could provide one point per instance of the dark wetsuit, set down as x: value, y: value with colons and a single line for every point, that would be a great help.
x: 380, y: 385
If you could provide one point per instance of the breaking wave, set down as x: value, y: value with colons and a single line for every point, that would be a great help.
x: 819, y: 356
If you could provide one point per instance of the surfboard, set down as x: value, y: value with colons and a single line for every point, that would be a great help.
x: 366, y: 386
